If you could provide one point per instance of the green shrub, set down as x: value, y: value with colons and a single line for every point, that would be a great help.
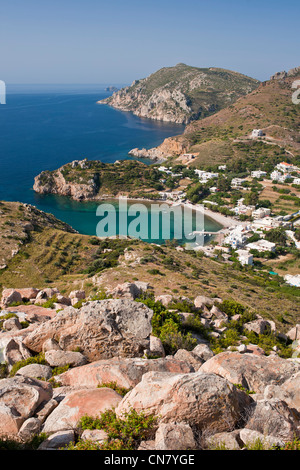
x: 124, y: 433
x: 114, y: 386
x: 38, y: 359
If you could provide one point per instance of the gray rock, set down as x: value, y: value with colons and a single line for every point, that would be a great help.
x: 30, y: 427
x: 101, y: 329
x: 94, y: 435
x: 224, y: 440
x: 249, y: 437
x: 36, y: 371
x: 170, y: 436
x: 58, y: 358
x: 274, y: 417
x: 58, y: 440
x: 12, y: 324
x: 203, y: 351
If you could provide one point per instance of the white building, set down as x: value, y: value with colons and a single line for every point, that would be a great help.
x: 245, y: 258
x: 267, y: 223
x: 205, y: 176
x: 261, y: 212
x: 286, y: 167
x: 237, y: 237
x: 280, y: 177
x: 257, y: 133
x: 293, y: 280
x: 237, y: 182
x: 261, y: 246
x: 258, y: 174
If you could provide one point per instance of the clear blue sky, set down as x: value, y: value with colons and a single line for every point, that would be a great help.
x: 117, y: 41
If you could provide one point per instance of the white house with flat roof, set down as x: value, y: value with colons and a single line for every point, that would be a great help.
x: 261, y: 246
x: 258, y: 174
x: 244, y: 257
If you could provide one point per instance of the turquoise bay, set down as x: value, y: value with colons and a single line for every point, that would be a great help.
x: 42, y: 128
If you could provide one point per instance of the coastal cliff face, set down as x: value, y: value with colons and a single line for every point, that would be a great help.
x: 56, y: 183
x: 182, y: 93
x: 170, y: 147
x: 94, y: 180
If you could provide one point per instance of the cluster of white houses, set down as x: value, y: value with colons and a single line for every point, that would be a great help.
x: 286, y: 173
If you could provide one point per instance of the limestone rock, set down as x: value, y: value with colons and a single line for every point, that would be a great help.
x: 249, y: 437
x: 274, y: 417
x: 19, y: 398
x: 12, y: 324
x: 258, y: 326
x: 30, y: 427
x: 51, y: 345
x: 101, y: 329
x: 13, y: 350
x: 9, y: 296
x: 227, y: 440
x: 126, y: 372
x: 58, y: 440
x: 94, y: 435
x: 129, y: 290
x: 178, y: 436
x: 251, y: 371
x: 36, y: 371
x: 189, y: 357
x: 62, y: 358
x: 156, y: 347
x: 203, y: 351
x: 165, y: 299
x: 78, y: 404
x: 294, y: 333
x: 205, y: 401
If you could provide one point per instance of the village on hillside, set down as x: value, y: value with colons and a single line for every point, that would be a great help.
x: 256, y: 229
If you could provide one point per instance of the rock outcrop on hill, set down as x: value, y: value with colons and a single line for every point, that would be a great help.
x: 182, y: 93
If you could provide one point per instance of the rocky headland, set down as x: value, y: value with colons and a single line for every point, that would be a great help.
x: 182, y: 93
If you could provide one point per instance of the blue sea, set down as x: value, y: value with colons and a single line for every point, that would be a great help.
x: 43, y: 127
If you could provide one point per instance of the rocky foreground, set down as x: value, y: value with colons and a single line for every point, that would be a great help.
x: 201, y: 399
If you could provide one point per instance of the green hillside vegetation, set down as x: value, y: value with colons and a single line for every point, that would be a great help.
x: 55, y: 257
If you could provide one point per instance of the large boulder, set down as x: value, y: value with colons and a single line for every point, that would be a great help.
x: 78, y: 404
x: 28, y: 293
x: 100, y: 329
x: 57, y: 358
x: 19, y: 398
x: 289, y: 392
x: 36, y: 371
x: 294, y: 333
x: 12, y: 350
x: 129, y: 290
x: 274, y: 418
x: 10, y: 296
x: 249, y: 370
x: 126, y: 372
x: 204, y: 401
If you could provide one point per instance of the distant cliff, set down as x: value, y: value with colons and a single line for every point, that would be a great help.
x: 182, y: 93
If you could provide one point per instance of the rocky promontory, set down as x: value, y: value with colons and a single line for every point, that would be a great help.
x: 84, y: 180
x: 182, y: 93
